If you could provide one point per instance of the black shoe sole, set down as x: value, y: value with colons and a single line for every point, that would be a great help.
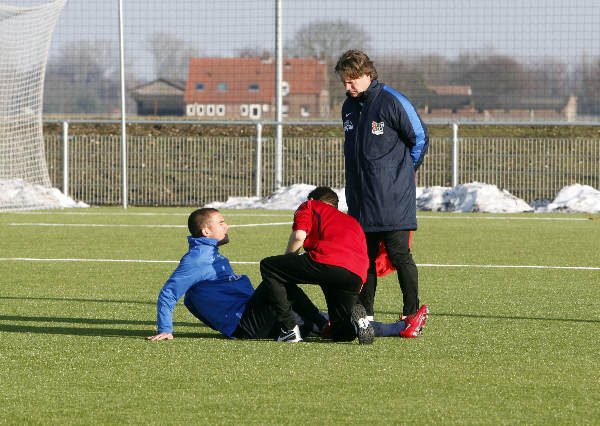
x: 366, y: 336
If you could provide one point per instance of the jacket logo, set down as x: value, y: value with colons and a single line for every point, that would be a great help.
x: 348, y: 125
x: 377, y: 128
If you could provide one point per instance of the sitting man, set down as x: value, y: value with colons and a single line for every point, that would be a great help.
x: 336, y: 259
x: 214, y: 294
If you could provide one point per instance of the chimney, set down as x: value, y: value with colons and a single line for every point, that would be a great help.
x: 266, y: 57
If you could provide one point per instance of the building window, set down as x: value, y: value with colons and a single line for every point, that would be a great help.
x: 244, y: 110
x: 253, y: 87
x: 285, y: 88
x: 199, y: 87
x: 222, y: 87
x: 190, y: 110
x: 221, y: 110
x: 304, y: 111
x: 254, y: 111
x: 210, y: 110
x: 200, y: 109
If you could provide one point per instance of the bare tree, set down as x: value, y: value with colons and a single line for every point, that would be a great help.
x: 497, y: 81
x: 549, y: 78
x: 253, y: 52
x: 171, y: 56
x: 436, y: 69
x: 84, y: 79
x: 327, y: 40
x: 403, y: 76
x: 587, y: 85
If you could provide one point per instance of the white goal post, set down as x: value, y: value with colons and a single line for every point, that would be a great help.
x: 25, y: 34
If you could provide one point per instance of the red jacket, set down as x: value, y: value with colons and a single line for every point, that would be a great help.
x: 332, y: 237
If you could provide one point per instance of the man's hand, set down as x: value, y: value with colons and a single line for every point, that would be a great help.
x: 162, y: 336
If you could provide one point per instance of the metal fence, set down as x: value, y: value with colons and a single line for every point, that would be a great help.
x: 192, y: 171
x: 533, y: 60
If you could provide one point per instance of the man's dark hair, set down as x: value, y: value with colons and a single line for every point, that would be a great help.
x: 325, y: 194
x: 198, y: 219
x: 354, y: 64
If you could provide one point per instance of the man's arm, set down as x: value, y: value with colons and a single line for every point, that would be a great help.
x: 295, y: 241
x: 409, y: 125
x: 185, y: 275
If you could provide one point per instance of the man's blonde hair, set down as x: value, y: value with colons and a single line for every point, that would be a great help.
x: 354, y: 64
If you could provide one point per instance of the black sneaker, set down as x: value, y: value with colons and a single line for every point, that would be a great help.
x: 292, y: 335
x: 363, y: 327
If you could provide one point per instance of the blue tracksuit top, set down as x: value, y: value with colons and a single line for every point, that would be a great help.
x: 213, y: 292
x: 385, y: 143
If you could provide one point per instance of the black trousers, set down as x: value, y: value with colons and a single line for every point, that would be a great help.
x: 397, y: 247
x: 259, y: 320
x: 341, y: 288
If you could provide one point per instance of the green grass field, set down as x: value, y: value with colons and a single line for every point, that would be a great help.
x: 503, y: 345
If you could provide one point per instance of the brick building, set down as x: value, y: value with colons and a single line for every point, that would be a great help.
x: 244, y: 88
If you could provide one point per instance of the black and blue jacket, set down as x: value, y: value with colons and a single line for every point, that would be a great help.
x: 385, y: 143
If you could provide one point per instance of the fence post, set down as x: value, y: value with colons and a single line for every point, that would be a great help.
x: 454, y: 154
x: 123, y: 104
x: 65, y: 152
x: 278, y: 95
x: 258, y: 159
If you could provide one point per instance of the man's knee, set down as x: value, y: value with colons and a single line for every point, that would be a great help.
x: 400, y: 258
x: 266, y: 266
x: 342, y: 331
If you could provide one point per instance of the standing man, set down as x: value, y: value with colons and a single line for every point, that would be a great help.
x: 385, y: 142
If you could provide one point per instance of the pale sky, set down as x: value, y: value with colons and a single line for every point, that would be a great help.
x: 529, y: 29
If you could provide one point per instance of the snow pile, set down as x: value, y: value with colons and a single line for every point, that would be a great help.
x: 470, y: 197
x: 16, y: 193
x: 287, y: 198
x: 575, y: 199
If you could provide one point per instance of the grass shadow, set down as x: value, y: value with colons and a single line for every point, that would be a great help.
x: 505, y: 317
x: 66, y: 299
x: 92, y: 331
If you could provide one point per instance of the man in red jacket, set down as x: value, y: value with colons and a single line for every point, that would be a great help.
x: 335, y: 258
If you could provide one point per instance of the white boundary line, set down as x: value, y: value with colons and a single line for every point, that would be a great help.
x: 423, y: 265
x: 92, y: 213
x: 100, y: 225
x: 446, y: 215
x: 506, y: 218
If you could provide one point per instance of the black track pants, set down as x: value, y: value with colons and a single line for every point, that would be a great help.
x: 397, y: 245
x: 282, y: 273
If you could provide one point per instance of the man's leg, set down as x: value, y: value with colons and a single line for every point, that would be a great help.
x: 367, y: 294
x: 306, y: 309
x: 340, y: 286
x: 398, y: 248
x: 339, y: 307
x: 259, y: 320
x: 281, y: 274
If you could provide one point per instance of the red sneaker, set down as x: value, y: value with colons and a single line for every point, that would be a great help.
x: 415, y: 323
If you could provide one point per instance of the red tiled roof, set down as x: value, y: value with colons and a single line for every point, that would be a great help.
x: 304, y: 76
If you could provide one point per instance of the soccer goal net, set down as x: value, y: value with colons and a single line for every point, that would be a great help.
x: 25, y: 35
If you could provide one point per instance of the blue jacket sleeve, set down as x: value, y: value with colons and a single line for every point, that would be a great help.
x: 185, y: 275
x: 411, y: 128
